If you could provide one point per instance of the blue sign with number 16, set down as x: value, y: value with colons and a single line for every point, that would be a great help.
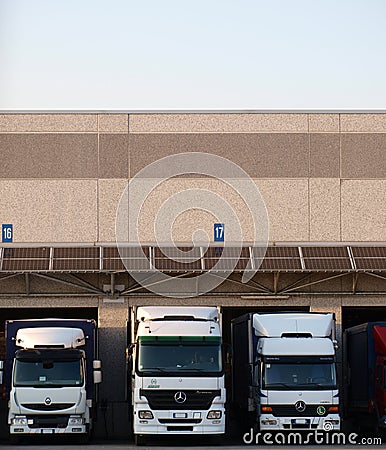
x: 219, y: 232
x: 7, y: 232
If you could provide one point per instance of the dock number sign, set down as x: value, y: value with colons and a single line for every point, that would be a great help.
x: 7, y: 232
x: 218, y: 232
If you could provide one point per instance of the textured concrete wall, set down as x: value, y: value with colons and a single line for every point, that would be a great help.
x: 322, y: 176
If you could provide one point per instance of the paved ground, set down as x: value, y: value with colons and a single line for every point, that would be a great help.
x: 205, y: 442
x: 127, y: 446
x: 161, y: 444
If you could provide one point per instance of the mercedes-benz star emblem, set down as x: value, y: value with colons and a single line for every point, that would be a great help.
x: 300, y: 406
x: 180, y: 397
x: 47, y: 401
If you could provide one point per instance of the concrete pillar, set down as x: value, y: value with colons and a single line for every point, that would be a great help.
x: 113, y: 417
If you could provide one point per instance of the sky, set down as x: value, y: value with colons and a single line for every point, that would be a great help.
x: 192, y: 54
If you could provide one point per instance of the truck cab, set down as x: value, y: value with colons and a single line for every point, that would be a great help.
x: 298, y: 385
x: 50, y: 377
x: 284, y: 371
x: 177, y: 372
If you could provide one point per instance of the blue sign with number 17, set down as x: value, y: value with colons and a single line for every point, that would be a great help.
x: 218, y: 232
x: 7, y: 232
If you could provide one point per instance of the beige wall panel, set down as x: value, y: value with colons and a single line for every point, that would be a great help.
x: 113, y: 156
x: 49, y: 156
x: 109, y: 194
x: 363, y: 123
x: 50, y: 210
x: 113, y: 123
x: 286, y: 202
x: 271, y: 155
x: 324, y: 155
x: 364, y: 155
x: 324, y: 209
x: 218, y: 123
x: 178, y: 208
x: 43, y: 123
x: 363, y: 210
x: 324, y: 123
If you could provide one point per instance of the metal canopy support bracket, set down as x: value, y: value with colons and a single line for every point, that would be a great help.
x: 68, y: 283
x: 297, y: 265
x: 275, y: 282
x: 355, y: 277
x: 27, y: 284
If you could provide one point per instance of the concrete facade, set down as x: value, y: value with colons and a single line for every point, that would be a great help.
x: 321, y: 175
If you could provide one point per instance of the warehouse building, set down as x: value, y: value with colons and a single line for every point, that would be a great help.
x: 63, y: 179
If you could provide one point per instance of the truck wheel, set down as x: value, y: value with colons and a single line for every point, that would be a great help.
x: 84, y: 438
x: 14, y: 440
x: 139, y: 439
x: 216, y: 439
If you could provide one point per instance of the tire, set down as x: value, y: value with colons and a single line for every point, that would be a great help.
x: 84, y: 439
x: 217, y: 440
x: 139, y: 439
x: 14, y: 439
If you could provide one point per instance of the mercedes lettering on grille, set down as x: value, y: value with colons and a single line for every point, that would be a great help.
x: 180, y: 397
x: 300, y: 406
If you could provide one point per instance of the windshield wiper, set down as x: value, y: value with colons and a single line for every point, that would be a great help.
x: 315, y: 384
x: 149, y: 369
x: 270, y: 385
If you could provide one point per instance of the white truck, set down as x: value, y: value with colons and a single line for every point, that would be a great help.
x: 50, y: 376
x: 284, y: 373
x: 177, y: 373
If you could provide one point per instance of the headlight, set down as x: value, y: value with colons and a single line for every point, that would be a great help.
x: 214, y: 415
x: 145, y: 414
x: 20, y: 420
x: 75, y: 420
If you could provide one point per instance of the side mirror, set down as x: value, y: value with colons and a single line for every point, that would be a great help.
x: 97, y: 376
x: 130, y: 350
x: 97, y: 364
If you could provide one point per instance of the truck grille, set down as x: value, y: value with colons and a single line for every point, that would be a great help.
x: 165, y: 399
x: 290, y: 411
x: 49, y: 421
x: 44, y: 407
x: 184, y: 421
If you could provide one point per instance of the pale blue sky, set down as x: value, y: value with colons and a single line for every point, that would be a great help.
x: 192, y: 54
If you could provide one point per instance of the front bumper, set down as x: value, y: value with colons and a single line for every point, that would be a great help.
x: 331, y: 422
x: 180, y: 422
x: 25, y: 429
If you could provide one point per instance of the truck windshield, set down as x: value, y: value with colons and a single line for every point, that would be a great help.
x: 201, y: 359
x: 281, y: 376
x: 51, y: 373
